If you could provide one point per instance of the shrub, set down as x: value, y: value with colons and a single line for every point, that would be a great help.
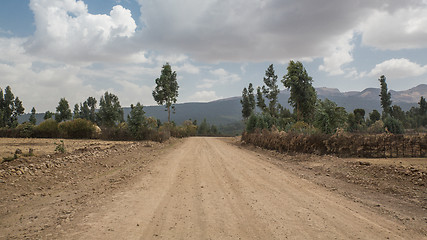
x: 251, y: 123
x: 377, y: 127
x: 47, y: 129
x: 60, y: 147
x: 120, y: 132
x: 9, y: 132
x: 25, y: 130
x: 393, y: 125
x: 340, y: 144
x: 77, y: 128
x: 303, y: 127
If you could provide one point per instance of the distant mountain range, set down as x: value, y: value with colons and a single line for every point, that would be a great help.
x: 228, y: 111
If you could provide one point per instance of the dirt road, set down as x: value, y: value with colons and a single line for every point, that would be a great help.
x: 205, y: 188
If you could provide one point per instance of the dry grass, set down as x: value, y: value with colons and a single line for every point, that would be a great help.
x: 341, y: 144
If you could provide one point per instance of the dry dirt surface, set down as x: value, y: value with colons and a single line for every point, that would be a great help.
x: 208, y: 188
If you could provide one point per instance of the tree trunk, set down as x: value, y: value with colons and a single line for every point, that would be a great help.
x: 169, y: 114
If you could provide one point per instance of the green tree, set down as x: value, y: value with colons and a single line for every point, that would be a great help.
x: 393, y: 125
x: 110, y: 112
x: 203, y: 128
x: 47, y: 115
x: 213, y: 131
x: 328, y: 116
x: 352, y: 125
x: 374, y: 116
x: 359, y: 115
x: 84, y: 111
x: 91, y: 103
x: 251, y: 97
x: 63, y: 111
x: 247, y: 101
x: 2, y: 108
x: 18, y: 109
x: 166, y: 91
x: 76, y: 112
x: 271, y: 91
x: 303, y: 95
x: 260, y: 101
x: 423, y: 106
x: 10, y: 108
x: 136, y: 120
x: 398, y: 113
x: 32, y: 118
x: 385, y: 97
x: 246, y: 109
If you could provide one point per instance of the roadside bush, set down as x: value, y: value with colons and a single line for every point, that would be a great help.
x: 303, y: 127
x: 116, y: 133
x: 341, y: 144
x: 393, y: 125
x: 186, y: 130
x: 266, y: 121
x: 9, y: 132
x: 26, y: 130
x: 47, y: 129
x: 377, y: 127
x: 60, y: 147
x: 77, y: 128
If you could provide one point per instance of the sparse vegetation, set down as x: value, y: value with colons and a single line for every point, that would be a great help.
x: 60, y: 147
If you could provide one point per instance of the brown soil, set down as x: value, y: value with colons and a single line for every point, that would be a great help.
x: 206, y: 188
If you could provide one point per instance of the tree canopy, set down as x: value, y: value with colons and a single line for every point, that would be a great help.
x: 328, y: 116
x: 166, y: 91
x: 63, y: 111
x: 271, y: 91
x: 385, y: 96
x: 10, y: 108
x: 32, y: 118
x: 303, y: 96
x: 110, y: 111
x: 136, y: 120
x: 247, y: 101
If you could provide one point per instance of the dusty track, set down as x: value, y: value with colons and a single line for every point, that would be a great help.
x: 207, y: 189
x: 196, y: 188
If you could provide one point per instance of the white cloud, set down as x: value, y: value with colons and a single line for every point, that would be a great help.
x: 206, y: 83
x: 220, y: 76
x: 204, y: 96
x: 253, y: 30
x: 340, y: 55
x: 131, y: 93
x: 188, y: 68
x: 224, y: 76
x: 404, y: 28
x: 398, y: 68
x: 171, y: 59
x: 41, y: 84
x: 66, y: 31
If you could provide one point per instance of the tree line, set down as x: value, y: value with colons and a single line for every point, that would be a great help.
x: 106, y: 120
x: 261, y: 109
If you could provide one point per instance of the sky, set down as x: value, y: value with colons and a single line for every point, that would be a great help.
x: 51, y: 49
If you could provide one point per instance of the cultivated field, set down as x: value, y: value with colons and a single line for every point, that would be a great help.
x: 205, y: 188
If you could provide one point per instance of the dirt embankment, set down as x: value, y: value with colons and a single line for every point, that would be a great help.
x: 42, y: 193
x: 210, y: 188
